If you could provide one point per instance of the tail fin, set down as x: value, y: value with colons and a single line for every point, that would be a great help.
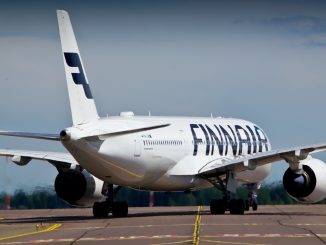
x: 82, y: 104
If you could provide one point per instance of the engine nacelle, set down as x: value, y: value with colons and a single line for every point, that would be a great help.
x: 310, y: 185
x: 79, y: 188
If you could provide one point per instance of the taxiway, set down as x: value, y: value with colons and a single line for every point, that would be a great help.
x: 297, y: 224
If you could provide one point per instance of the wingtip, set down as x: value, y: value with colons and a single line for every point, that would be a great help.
x: 61, y: 12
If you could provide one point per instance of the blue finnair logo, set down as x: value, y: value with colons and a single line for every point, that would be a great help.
x: 222, y: 137
x: 72, y: 60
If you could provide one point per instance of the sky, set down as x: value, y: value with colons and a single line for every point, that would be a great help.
x: 262, y: 61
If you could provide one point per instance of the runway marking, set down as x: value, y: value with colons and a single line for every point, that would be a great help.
x: 51, y: 228
x: 126, y: 226
x: 236, y: 243
x: 195, y: 240
x: 90, y: 239
x: 266, y: 235
x: 185, y: 224
x: 195, y: 237
x: 189, y: 240
x: 304, y: 224
x: 261, y: 224
x: 167, y: 243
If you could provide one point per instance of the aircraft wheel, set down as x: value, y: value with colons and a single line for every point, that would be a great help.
x: 254, y: 206
x: 119, y: 209
x: 236, y: 206
x: 100, y: 210
x: 217, y: 206
x: 247, y: 205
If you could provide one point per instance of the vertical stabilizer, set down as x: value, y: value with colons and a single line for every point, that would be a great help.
x: 82, y: 104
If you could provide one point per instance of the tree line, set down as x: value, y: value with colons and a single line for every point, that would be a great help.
x: 45, y: 197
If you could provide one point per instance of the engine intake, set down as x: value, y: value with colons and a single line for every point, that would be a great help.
x: 310, y: 185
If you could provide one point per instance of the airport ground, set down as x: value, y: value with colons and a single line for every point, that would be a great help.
x: 295, y: 224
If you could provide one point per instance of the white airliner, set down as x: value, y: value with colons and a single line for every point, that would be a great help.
x: 162, y: 153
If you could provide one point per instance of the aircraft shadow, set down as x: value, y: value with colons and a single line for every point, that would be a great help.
x: 258, y: 213
x: 67, y: 219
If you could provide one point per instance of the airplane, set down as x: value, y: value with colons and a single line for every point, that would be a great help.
x: 156, y: 153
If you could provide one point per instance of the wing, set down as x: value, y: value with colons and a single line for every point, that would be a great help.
x: 58, y: 159
x: 206, y: 165
x: 293, y: 156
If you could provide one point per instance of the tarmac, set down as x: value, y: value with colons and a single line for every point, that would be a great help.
x: 292, y: 224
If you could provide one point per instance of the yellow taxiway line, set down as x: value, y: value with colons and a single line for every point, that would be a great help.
x: 51, y: 228
x: 195, y: 238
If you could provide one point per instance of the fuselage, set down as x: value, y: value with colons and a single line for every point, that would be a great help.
x: 145, y: 159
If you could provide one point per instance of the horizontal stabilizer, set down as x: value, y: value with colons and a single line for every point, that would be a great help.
x: 54, y: 137
x: 134, y: 129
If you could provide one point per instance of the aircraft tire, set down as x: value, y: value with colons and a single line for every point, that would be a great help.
x: 254, y: 206
x: 119, y: 209
x: 100, y: 210
x: 217, y: 206
x: 247, y: 205
x: 236, y: 206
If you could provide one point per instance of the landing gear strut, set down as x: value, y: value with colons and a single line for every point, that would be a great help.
x: 118, y: 209
x: 252, y: 197
x: 220, y: 206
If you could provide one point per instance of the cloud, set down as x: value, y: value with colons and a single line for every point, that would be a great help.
x: 290, y: 24
x: 314, y: 44
x: 298, y: 24
x: 304, y: 31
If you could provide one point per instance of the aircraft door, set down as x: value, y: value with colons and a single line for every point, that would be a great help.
x: 137, y: 151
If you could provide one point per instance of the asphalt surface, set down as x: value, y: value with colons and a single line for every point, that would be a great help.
x: 298, y: 224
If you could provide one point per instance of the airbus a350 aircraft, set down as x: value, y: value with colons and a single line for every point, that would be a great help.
x: 162, y: 153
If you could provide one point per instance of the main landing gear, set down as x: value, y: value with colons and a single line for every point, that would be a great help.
x: 252, y: 197
x: 220, y: 206
x: 118, y: 209
x: 226, y: 203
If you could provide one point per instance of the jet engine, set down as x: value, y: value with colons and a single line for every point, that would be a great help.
x: 309, y: 184
x: 79, y: 188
